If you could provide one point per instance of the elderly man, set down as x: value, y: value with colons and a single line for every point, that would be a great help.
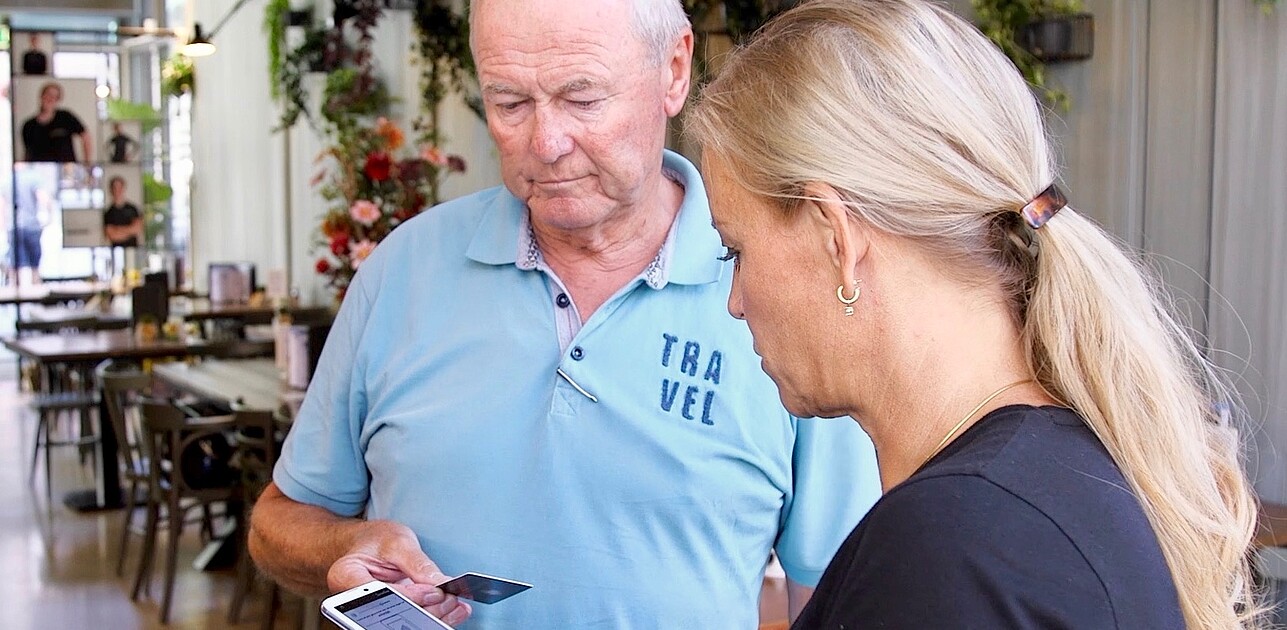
x: 540, y: 382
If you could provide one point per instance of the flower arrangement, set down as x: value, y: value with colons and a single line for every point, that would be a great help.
x: 373, y: 183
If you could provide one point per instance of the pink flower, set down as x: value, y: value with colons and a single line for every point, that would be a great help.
x: 364, y: 212
x: 361, y: 250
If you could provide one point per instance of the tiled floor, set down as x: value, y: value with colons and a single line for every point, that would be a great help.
x: 58, y: 565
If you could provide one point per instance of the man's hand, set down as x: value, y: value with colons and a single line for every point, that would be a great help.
x: 389, y: 552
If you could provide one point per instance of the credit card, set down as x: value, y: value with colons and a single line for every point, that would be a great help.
x: 484, y: 589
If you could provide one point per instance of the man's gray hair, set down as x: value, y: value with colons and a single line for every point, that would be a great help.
x: 658, y: 23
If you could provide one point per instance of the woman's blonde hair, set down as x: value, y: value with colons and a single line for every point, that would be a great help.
x: 930, y: 134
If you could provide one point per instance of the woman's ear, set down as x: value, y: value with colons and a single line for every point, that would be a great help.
x: 845, y: 240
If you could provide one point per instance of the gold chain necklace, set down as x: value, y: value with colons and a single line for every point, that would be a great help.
x: 990, y: 398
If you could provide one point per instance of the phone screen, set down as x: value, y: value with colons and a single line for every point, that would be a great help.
x: 385, y: 610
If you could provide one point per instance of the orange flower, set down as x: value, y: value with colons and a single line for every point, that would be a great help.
x: 389, y: 132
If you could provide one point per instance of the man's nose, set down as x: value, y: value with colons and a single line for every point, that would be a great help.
x: 550, y: 137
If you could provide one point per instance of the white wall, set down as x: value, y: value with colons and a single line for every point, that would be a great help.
x: 247, y: 177
x: 1249, y: 225
x: 237, y: 183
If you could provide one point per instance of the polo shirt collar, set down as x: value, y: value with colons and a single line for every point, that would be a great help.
x: 689, y: 255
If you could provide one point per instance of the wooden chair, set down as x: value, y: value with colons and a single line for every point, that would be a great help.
x: 172, y: 442
x: 59, y: 390
x: 122, y: 386
x: 257, y: 445
x: 49, y: 408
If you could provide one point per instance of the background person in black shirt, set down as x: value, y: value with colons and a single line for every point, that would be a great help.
x: 47, y: 136
x: 1044, y: 427
x: 35, y: 61
x: 122, y: 221
x: 121, y: 147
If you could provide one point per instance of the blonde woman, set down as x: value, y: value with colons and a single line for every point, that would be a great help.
x: 1044, y: 428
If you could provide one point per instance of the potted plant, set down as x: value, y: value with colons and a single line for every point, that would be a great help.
x: 1031, y: 32
x: 178, y: 76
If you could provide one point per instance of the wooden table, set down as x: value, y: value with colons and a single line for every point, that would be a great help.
x: 242, y: 384
x: 50, y: 293
x: 86, y: 349
x: 99, y: 346
x: 51, y: 318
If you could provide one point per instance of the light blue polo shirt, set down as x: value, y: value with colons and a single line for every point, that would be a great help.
x: 638, y: 477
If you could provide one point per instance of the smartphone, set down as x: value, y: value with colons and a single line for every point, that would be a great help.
x: 484, y: 589
x: 376, y: 606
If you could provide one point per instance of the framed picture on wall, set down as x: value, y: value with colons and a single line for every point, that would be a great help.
x: 56, y: 120
x: 121, y: 140
x: 122, y: 208
x: 31, y: 53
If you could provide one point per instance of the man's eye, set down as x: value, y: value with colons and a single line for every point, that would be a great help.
x: 586, y: 104
x: 729, y: 254
x: 509, y: 107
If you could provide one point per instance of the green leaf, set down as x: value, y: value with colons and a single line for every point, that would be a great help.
x: 121, y: 110
x: 155, y: 191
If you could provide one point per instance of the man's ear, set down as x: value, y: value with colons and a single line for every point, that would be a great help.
x: 678, y: 76
x: 846, y: 241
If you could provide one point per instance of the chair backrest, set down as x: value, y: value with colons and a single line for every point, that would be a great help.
x: 257, y: 448
x: 240, y: 349
x: 121, y: 386
x: 195, y: 451
x: 312, y: 315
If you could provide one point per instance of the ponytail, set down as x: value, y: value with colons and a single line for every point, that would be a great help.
x: 1100, y: 337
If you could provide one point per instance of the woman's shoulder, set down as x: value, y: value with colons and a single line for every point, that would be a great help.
x: 961, y: 550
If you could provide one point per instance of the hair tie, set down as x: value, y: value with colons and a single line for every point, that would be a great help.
x: 1046, y: 205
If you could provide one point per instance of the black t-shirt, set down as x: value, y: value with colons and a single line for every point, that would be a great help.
x: 35, y: 62
x: 1022, y: 522
x: 52, y: 142
x: 120, y: 148
x: 122, y: 215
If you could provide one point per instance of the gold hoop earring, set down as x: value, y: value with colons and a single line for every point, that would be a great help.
x: 840, y: 295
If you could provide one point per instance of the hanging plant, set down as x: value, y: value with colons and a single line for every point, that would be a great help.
x: 156, y: 206
x: 347, y: 98
x: 276, y: 17
x: 442, y: 42
x: 734, y: 19
x: 178, y: 76
x: 1002, y: 20
x: 120, y: 110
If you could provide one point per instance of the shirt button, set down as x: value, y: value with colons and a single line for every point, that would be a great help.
x: 578, y: 353
x: 563, y: 301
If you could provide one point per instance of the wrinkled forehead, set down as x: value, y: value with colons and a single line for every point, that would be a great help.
x: 558, y: 26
